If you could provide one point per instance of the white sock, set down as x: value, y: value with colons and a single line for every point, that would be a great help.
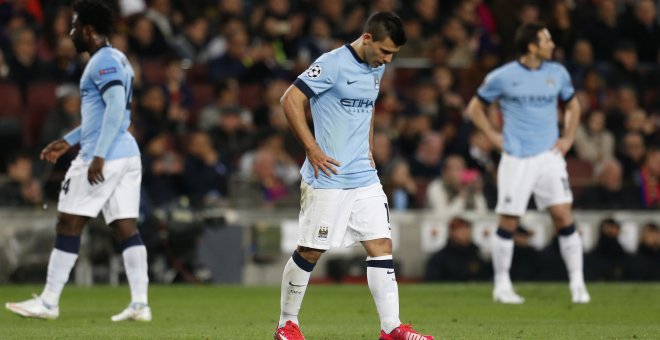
x: 385, y: 291
x: 294, y: 285
x: 135, y: 265
x: 570, y: 247
x: 59, y: 268
x: 502, y: 255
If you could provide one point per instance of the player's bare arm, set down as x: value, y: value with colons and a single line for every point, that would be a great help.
x: 571, y: 122
x: 54, y: 150
x: 293, y: 103
x: 477, y: 113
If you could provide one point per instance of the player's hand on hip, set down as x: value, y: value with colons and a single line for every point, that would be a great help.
x: 95, y: 171
x: 54, y: 150
x: 497, y: 139
x: 563, y: 145
x: 321, y: 161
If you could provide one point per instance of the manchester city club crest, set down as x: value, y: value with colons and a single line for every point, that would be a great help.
x: 376, y: 82
x: 323, y: 232
x: 550, y: 82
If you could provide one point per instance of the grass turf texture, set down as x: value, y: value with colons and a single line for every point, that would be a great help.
x: 448, y: 311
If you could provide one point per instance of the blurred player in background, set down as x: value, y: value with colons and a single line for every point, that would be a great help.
x: 533, y: 152
x: 342, y: 200
x: 105, y: 176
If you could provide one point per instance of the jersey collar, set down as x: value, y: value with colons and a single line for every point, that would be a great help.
x: 355, y: 55
x: 531, y: 69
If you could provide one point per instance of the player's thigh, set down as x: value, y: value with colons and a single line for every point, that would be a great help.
x: 370, y: 216
x: 515, y: 182
x: 553, y: 187
x: 79, y: 197
x: 323, y: 216
x: 124, y: 203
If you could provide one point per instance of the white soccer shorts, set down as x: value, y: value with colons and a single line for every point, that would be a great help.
x: 118, y: 196
x: 331, y: 218
x: 544, y: 175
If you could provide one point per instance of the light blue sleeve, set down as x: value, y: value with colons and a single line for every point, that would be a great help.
x: 320, y: 76
x: 106, y: 73
x: 73, y: 137
x: 115, y: 107
x: 491, y: 88
x: 566, y: 91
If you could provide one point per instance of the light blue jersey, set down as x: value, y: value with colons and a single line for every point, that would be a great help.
x: 342, y: 91
x: 528, y: 100
x: 106, y: 68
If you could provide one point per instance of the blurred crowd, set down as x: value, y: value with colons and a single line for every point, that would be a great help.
x: 462, y: 260
x: 209, y: 75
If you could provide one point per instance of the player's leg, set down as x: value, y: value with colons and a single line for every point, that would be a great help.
x: 515, y: 181
x: 320, y: 219
x: 554, y: 193
x: 502, y: 257
x: 370, y: 220
x: 295, y: 279
x: 134, y: 254
x: 62, y: 259
x: 570, y: 247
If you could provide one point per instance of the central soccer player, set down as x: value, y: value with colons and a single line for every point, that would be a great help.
x: 342, y: 201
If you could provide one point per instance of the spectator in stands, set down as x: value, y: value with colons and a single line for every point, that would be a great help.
x: 21, y: 188
x: 178, y: 95
x: 609, y: 191
x: 67, y: 67
x: 272, y: 141
x: 402, y: 189
x: 632, y: 154
x: 65, y: 117
x: 625, y: 68
x: 458, y: 190
x: 427, y: 161
x: 142, y: 41
x: 603, y: 31
x: 582, y: 60
x: 526, y: 263
x: 226, y: 95
x: 24, y: 65
x: 644, y: 31
x: 192, y: 42
x: 163, y: 169
x: 649, y: 179
x: 459, y: 260
x: 562, y: 30
x: 159, y: 14
x: 593, y: 143
x: 205, y: 177
x: 231, y: 138
x: 318, y: 41
x: 608, y: 260
x: 625, y: 104
x: 230, y: 64
x: 644, y: 264
x: 483, y: 156
x: 271, y: 183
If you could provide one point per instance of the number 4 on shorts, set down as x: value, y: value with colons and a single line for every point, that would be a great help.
x: 65, y: 185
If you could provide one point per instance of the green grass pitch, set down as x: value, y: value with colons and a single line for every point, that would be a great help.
x: 448, y: 311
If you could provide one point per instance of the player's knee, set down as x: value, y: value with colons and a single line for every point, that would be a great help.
x: 310, y: 254
x: 69, y: 225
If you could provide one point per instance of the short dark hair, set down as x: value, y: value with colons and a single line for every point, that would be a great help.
x: 382, y: 25
x: 527, y: 34
x: 95, y: 13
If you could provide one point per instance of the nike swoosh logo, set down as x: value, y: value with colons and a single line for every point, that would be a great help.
x: 292, y: 285
x: 350, y: 82
x: 390, y: 272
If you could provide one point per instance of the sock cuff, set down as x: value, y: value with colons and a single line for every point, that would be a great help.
x: 131, y: 241
x: 389, y: 264
x: 501, y: 232
x: 384, y: 257
x: 302, y: 263
x: 567, y: 231
x: 67, y: 243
